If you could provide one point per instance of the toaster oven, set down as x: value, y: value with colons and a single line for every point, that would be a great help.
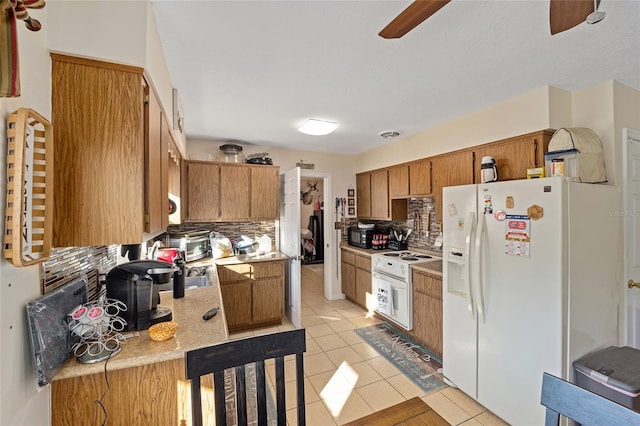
x: 195, y: 244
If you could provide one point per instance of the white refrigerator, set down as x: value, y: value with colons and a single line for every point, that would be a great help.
x: 530, y: 284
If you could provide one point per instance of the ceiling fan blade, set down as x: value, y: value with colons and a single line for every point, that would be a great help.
x: 411, y: 17
x: 565, y: 14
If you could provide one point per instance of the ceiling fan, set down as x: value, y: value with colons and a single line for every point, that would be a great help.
x: 563, y: 15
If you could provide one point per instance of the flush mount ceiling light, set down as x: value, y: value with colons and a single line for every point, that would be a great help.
x: 317, y: 127
x: 389, y: 135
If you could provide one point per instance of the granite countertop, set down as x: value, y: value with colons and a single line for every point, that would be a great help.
x: 250, y: 258
x: 433, y: 267
x: 193, y: 332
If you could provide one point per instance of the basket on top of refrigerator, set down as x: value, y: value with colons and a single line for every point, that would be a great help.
x: 576, y: 153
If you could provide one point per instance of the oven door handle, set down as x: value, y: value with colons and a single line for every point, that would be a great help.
x: 394, y: 300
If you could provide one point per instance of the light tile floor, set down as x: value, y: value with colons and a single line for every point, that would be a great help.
x: 345, y: 378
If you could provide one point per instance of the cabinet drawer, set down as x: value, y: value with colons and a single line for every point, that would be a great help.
x: 239, y: 272
x: 363, y: 262
x: 268, y: 269
x: 427, y: 285
x: 348, y: 257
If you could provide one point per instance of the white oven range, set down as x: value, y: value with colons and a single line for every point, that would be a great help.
x: 391, y: 284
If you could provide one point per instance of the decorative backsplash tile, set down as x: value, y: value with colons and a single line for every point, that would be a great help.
x: 231, y: 230
x: 68, y: 263
x: 417, y: 208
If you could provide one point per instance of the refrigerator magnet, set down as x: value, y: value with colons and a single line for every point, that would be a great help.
x: 535, y: 212
x: 509, y: 202
x: 500, y: 215
x: 451, y: 208
x: 488, y: 205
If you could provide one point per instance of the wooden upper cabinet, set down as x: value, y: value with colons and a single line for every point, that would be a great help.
x: 234, y: 189
x: 454, y: 168
x: 167, y: 139
x: 363, y: 195
x: 514, y: 155
x: 265, y: 192
x: 399, y: 181
x: 156, y: 180
x: 219, y: 192
x: 380, y: 194
x: 203, y: 191
x: 98, y: 116
x: 373, y: 197
x: 420, y: 177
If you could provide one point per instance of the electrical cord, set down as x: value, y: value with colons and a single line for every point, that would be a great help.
x: 99, y: 401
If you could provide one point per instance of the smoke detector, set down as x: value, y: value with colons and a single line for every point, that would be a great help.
x: 390, y: 134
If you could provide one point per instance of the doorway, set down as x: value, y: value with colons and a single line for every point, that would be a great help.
x: 631, y: 228
x: 326, y: 250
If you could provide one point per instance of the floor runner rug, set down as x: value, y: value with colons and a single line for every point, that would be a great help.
x: 417, y: 363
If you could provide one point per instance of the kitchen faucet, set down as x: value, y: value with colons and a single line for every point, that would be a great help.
x: 153, y: 251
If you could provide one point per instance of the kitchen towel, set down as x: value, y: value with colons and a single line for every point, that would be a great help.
x: 385, y: 303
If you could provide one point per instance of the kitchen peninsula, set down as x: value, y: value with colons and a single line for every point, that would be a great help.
x: 146, y: 382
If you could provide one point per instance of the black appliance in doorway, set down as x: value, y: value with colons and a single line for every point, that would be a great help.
x: 316, y: 223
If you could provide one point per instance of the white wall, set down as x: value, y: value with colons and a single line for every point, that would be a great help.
x: 123, y: 32
x: 527, y: 113
x: 20, y: 402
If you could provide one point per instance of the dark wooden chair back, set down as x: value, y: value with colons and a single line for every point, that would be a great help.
x: 236, y: 354
x: 582, y: 406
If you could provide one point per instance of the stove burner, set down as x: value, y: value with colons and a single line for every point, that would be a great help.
x: 392, y: 254
x: 409, y: 258
x: 423, y: 256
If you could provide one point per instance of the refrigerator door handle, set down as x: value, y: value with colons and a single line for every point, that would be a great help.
x: 467, y: 264
x: 477, y: 267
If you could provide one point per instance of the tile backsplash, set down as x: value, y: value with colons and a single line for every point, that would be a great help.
x: 232, y: 230
x: 416, y: 208
x: 67, y: 263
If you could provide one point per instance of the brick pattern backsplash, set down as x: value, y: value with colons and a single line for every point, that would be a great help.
x: 231, y: 230
x: 417, y: 206
x: 68, y: 263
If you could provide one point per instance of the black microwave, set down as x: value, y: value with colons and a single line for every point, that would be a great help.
x: 359, y: 237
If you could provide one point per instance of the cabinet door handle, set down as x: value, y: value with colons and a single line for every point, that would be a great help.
x: 632, y: 284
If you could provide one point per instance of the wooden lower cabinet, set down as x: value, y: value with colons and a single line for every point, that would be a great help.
x: 268, y: 299
x: 348, y: 279
x: 356, y: 276
x: 152, y: 394
x: 236, y: 297
x: 252, y: 293
x: 427, y: 311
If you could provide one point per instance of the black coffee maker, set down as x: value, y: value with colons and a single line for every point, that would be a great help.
x: 136, y: 284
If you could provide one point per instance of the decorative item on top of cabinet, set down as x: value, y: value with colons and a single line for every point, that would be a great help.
x: 109, y: 127
x: 29, y: 209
